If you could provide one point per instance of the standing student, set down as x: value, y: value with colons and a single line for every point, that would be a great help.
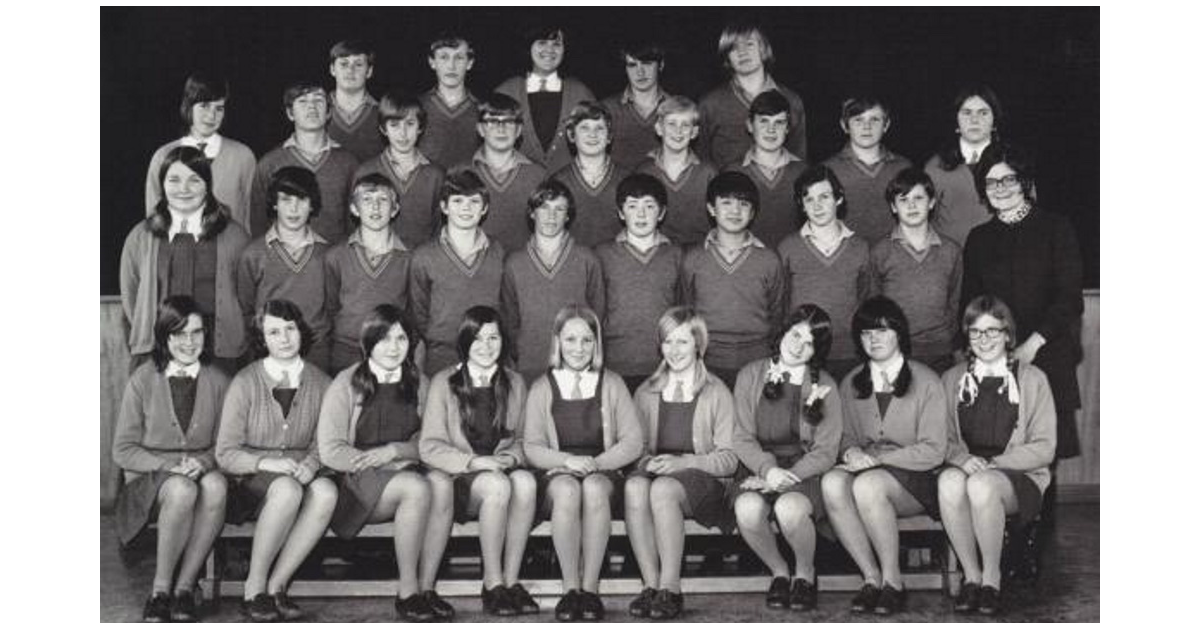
x: 641, y: 278
x: 267, y: 444
x: 771, y: 167
x: 825, y: 262
x: 163, y: 443
x: 581, y: 429
x: 451, y: 109
x: 592, y: 176
x: 550, y: 272
x: 545, y: 98
x: 368, y: 431
x: 686, y: 176
x: 634, y: 108
x: 288, y: 262
x: 893, y: 440
x: 414, y: 177
x: 919, y: 269
x: 459, y: 269
x: 355, y: 113
x: 310, y: 147
x: 189, y: 247
x: 734, y: 281
x: 789, y: 425
x: 473, y: 432
x: 865, y: 166
x: 369, y: 269
x: 510, y: 176
x: 953, y: 168
x: 687, y: 416
x: 1001, y: 444
x: 747, y: 56
x: 203, y: 112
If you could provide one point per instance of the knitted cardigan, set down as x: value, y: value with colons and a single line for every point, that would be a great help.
x: 337, y: 425
x: 619, y: 422
x: 558, y: 155
x: 712, y: 423
x: 912, y: 435
x: 444, y: 444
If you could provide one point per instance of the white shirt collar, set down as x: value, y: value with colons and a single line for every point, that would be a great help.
x: 330, y: 143
x: 807, y: 231
x: 193, y: 221
x: 969, y: 151
x: 276, y: 370
x: 888, y: 371
x: 481, y: 378
x: 983, y: 370
x: 212, y: 144
x: 565, y: 378
x: 382, y: 375
x: 536, y: 83
x: 190, y: 371
x: 687, y: 378
x: 751, y: 157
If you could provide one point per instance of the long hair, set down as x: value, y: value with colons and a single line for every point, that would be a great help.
x: 1020, y: 161
x: 818, y: 322
x: 950, y: 155
x: 881, y: 312
x: 473, y: 321
x: 283, y: 309
x: 812, y: 176
x: 200, y: 88
x: 375, y: 328
x: 213, y: 217
x: 589, y: 317
x: 673, y: 318
x: 173, y: 315
x: 968, y: 385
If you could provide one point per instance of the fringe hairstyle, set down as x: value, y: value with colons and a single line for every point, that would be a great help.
x: 460, y: 381
x: 881, y: 312
x: 213, y: 217
x: 173, y: 315
x: 818, y: 322
x: 375, y: 328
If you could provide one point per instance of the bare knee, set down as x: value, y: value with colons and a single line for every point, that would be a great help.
x: 284, y: 493
x: 596, y: 490
x: 441, y: 489
x: 792, y: 509
x: 665, y: 494
x: 836, y: 489
x: 564, y: 493
x: 322, y: 494
x: 177, y: 493
x: 493, y: 487
x: 983, y: 488
x: 213, y: 489
x: 637, y: 494
x: 870, y: 491
x: 750, y: 509
x: 952, y: 487
x: 523, y: 486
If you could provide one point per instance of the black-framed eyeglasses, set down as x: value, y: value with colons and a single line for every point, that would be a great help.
x: 975, y: 334
x: 1008, y: 181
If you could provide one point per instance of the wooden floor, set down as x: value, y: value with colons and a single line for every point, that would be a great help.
x: 1069, y: 590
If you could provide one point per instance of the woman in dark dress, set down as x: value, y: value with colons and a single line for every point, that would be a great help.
x: 164, y: 444
x: 368, y: 431
x: 1001, y: 443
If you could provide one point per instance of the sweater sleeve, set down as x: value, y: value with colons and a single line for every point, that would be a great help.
x: 1041, y: 431
x: 628, y: 445
x: 797, y: 139
x: 153, y: 188
x: 826, y: 437
x: 514, y: 445
x: 333, y: 426
x: 258, y: 200
x: 333, y: 285
x: 704, y: 138
x: 1067, y: 278
x: 746, y: 393
x: 231, y: 437
x: 127, y: 449
x: 776, y: 294
x: 510, y: 301
x: 436, y: 446
x: 956, y: 449
x: 538, y: 425
x: 929, y: 450
x: 418, y: 294
x: 875, y: 270
x: 595, y: 288
x: 721, y: 462
x: 954, y: 297
x: 687, y: 280
x: 851, y: 435
x: 248, y: 277
x: 130, y: 275
x: 312, y: 459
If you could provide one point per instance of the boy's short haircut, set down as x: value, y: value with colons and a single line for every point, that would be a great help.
x: 856, y: 105
x: 729, y: 38
x: 349, y: 48
x: 464, y: 182
x: 499, y: 106
x: 297, y: 182
x: 816, y: 174
x: 646, y: 51
x: 906, y: 180
x: 300, y: 88
x: 397, y: 105
x: 201, y: 88
x: 372, y: 182
x: 587, y: 110
x: 770, y: 103
x: 450, y: 40
x: 677, y: 105
x: 545, y: 192
x: 640, y: 185
x: 732, y: 184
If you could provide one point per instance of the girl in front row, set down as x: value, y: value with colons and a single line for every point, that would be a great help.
x: 688, y: 420
x: 893, y: 439
x: 369, y: 428
x: 164, y: 444
x: 267, y: 443
x: 581, y: 429
x: 1001, y: 443
x: 789, y: 424
x: 472, y: 432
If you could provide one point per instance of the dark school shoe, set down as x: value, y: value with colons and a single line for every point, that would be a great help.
x: 568, y: 607
x: 989, y: 601
x: 183, y: 606
x: 591, y: 608
x: 804, y: 595
x: 288, y: 610
x: 414, y: 608
x: 865, y: 600
x: 968, y: 598
x: 640, y: 606
x: 497, y: 602
x: 778, y: 594
x: 440, y: 607
x: 260, y: 609
x: 522, y: 600
x: 158, y: 608
x: 891, y: 599
x: 667, y: 605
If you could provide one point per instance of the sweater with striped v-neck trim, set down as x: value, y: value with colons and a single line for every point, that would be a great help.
x: 742, y: 301
x: 442, y: 287
x: 596, y: 220
x: 418, y: 197
x: 506, y: 220
x: 532, y: 292
x: 353, y: 287
x: 633, y: 135
x: 687, y: 219
x: 777, y: 214
x: 334, y: 170
x: 450, y: 136
x: 867, y: 211
x: 359, y: 136
x: 925, y: 284
x: 267, y: 272
x: 638, y: 289
x: 836, y: 283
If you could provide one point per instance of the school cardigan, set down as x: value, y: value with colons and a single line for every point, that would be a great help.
x: 140, y: 298
x: 232, y: 177
x: 360, y: 136
x: 867, y: 209
x: 532, y: 292
x: 959, y: 208
x: 820, y: 443
x: 450, y: 136
x: 1030, y: 449
x: 638, y: 288
x: 333, y: 169
x: 836, y: 283
x: 353, y: 289
x: 596, y: 220
x: 687, y: 220
x: 148, y: 436
x: 912, y: 435
x: 558, y: 155
x: 507, y: 218
x: 337, y: 425
x: 712, y: 423
x: 623, y: 438
x: 253, y: 426
x: 417, y: 220
x: 926, y: 286
x: 633, y: 136
x: 723, y: 114
x: 777, y: 215
x: 444, y: 445
x: 264, y: 273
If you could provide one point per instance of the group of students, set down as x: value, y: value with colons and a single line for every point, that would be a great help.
x: 486, y: 312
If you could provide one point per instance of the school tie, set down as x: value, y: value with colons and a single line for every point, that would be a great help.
x: 541, y: 84
x: 577, y: 390
x: 201, y: 147
x: 286, y: 383
x: 677, y: 395
x: 974, y: 157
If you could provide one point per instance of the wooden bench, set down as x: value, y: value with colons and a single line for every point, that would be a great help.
x: 943, y: 574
